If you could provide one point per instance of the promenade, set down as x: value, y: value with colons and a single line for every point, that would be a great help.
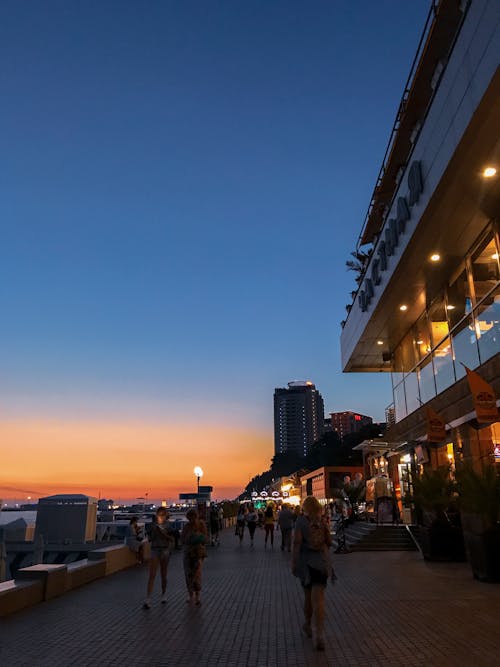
x: 385, y: 609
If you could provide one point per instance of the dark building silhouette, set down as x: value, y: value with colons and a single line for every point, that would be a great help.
x: 348, y: 422
x: 298, y: 417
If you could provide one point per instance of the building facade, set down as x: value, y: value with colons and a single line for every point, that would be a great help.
x: 348, y: 422
x: 298, y: 418
x: 428, y: 302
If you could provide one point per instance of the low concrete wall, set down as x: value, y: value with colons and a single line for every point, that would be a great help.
x: 42, y: 582
x: 83, y: 572
x: 117, y: 558
x: 53, y: 578
x: 17, y: 595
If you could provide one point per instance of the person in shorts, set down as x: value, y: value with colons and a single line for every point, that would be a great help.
x: 311, y: 564
x: 162, y: 544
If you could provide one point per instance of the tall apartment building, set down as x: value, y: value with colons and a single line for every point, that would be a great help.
x: 298, y: 417
x: 348, y: 422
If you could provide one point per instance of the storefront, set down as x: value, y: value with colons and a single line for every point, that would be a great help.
x: 428, y: 303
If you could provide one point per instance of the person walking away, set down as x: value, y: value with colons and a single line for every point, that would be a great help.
x: 162, y: 544
x: 134, y: 539
x: 285, y: 523
x: 269, y: 524
x: 252, y: 519
x: 214, y: 525
x: 194, y: 537
x: 240, y: 523
x: 311, y: 564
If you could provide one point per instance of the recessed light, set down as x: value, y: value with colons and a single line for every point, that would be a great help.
x: 380, y: 342
x: 403, y: 307
x: 450, y: 307
x: 494, y: 256
x: 420, y: 342
x: 489, y: 172
x: 435, y: 257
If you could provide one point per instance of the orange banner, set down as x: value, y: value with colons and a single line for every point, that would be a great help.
x: 436, y: 431
x: 484, y: 398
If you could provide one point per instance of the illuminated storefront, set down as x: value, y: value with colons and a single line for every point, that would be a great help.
x: 428, y: 302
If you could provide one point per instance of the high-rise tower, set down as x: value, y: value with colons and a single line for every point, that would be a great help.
x: 298, y: 417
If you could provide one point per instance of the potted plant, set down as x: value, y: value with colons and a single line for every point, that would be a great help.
x: 479, y: 497
x: 440, y: 535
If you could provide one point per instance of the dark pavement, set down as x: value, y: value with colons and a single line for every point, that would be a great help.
x: 385, y: 609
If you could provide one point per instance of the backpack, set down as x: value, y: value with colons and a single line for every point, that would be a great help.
x: 316, y: 539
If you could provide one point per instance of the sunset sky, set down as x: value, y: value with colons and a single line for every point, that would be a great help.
x: 181, y: 185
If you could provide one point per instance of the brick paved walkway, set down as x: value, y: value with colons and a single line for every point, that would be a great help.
x: 385, y: 609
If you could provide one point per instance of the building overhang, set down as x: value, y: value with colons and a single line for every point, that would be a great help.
x: 456, y: 199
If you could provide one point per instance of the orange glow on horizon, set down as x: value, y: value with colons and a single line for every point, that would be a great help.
x: 128, y: 460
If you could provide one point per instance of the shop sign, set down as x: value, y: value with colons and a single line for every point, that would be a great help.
x: 484, y: 398
x: 436, y: 431
x: 394, y: 229
x: 275, y: 494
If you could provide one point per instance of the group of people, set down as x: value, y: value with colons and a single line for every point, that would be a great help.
x: 163, y: 541
x: 268, y: 519
x: 310, y: 548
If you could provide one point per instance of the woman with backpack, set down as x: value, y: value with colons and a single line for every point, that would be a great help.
x: 311, y: 564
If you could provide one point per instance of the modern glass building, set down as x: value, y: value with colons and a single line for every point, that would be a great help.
x: 428, y: 297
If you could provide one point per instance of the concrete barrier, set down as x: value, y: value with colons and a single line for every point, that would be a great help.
x: 117, y: 558
x: 16, y: 595
x: 82, y: 572
x: 53, y: 578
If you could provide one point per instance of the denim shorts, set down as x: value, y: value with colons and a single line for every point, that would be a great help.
x: 161, y: 554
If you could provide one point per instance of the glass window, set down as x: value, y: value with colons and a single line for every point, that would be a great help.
x: 426, y: 380
x: 412, y: 393
x: 443, y: 365
x: 400, y: 401
x: 459, y: 302
x: 404, y: 354
x: 488, y: 326
x: 438, y: 322
x: 422, y: 337
x: 465, y: 350
x: 485, y: 267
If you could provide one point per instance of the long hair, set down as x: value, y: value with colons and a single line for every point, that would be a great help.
x: 312, y: 508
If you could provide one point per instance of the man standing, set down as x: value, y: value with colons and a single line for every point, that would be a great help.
x: 285, y: 523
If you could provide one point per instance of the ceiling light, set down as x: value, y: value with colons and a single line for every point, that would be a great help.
x: 380, y: 342
x: 489, y: 172
x: 403, y: 307
x: 494, y: 256
x: 435, y: 257
x: 420, y: 342
x: 450, y: 307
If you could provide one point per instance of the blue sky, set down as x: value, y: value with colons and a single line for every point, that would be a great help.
x: 181, y: 184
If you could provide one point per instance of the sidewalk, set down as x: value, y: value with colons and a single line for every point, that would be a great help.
x: 385, y: 609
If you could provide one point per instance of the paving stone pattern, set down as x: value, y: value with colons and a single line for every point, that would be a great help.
x: 386, y: 609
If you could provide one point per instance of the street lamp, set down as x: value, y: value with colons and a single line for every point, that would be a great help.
x: 199, y: 473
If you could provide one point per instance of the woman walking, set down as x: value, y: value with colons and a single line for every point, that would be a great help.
x: 162, y: 544
x: 194, y: 536
x: 311, y: 563
x: 252, y: 519
x: 240, y: 522
x: 269, y: 524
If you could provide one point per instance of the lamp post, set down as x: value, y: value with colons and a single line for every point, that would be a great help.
x: 199, y: 474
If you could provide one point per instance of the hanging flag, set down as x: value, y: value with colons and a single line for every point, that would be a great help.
x: 436, y: 431
x: 484, y: 398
